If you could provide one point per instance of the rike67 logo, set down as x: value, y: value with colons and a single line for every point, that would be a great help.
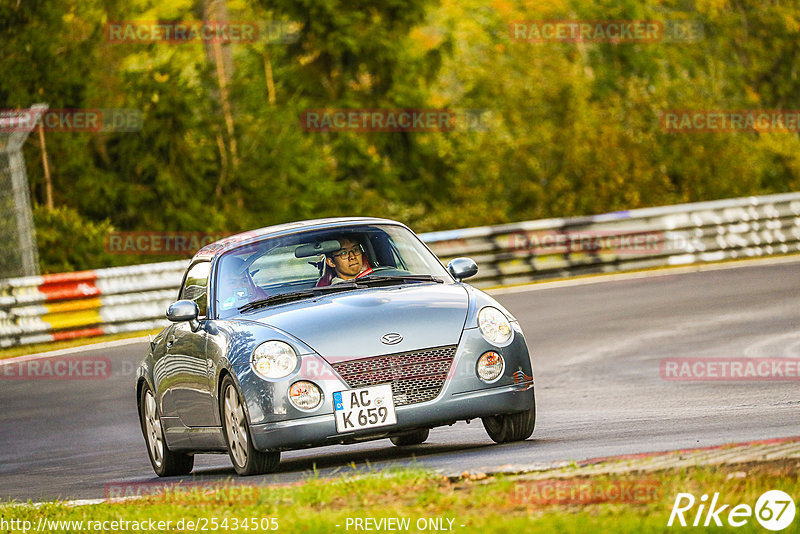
x: 774, y: 510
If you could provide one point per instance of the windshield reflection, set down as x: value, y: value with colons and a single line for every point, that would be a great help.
x: 282, y: 269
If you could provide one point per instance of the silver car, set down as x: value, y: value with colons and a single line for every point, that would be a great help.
x: 326, y: 332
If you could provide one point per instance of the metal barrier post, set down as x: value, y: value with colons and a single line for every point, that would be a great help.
x: 22, y: 259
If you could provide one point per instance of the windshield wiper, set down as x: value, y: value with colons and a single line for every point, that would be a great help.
x: 347, y: 285
x: 398, y: 278
x: 359, y: 283
x: 297, y: 295
x: 276, y: 299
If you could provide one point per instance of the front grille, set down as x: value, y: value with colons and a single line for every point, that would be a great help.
x: 416, y: 376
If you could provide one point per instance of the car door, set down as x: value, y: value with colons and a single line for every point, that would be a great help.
x: 188, y: 367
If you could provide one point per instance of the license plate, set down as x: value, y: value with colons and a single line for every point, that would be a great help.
x: 356, y: 409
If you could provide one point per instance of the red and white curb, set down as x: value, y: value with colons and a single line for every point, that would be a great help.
x: 734, y: 453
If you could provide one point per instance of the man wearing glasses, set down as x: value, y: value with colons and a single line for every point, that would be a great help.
x: 348, y: 262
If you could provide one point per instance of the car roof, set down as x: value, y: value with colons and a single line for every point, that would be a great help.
x: 212, y: 250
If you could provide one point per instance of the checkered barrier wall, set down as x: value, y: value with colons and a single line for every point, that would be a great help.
x: 626, y: 240
x: 38, y: 309
x: 61, y: 306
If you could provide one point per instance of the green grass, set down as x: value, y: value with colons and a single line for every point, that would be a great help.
x: 491, y: 504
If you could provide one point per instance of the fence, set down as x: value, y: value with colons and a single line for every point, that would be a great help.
x: 627, y: 240
x: 52, y: 307
x: 20, y: 256
x: 39, y: 309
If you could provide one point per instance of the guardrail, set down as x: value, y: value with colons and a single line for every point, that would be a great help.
x: 626, y: 240
x: 39, y: 309
x: 61, y: 306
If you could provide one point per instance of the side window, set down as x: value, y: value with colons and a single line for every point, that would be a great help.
x: 196, y: 286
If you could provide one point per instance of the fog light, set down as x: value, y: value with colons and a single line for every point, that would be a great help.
x: 305, y: 395
x: 490, y: 366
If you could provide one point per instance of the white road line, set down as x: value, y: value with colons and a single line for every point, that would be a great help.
x: 75, y: 502
x: 71, y: 350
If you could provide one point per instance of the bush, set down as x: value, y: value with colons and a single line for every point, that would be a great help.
x: 69, y: 242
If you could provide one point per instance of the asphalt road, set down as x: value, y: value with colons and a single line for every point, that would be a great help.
x: 597, y: 350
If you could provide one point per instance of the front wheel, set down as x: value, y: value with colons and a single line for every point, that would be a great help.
x: 247, y: 460
x: 166, y: 463
x: 511, y: 427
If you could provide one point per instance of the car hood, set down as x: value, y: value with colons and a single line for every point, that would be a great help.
x: 349, y: 325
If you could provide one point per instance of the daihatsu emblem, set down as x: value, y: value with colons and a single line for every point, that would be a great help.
x: 392, y: 338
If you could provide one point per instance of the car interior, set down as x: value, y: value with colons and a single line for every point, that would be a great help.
x: 299, y: 262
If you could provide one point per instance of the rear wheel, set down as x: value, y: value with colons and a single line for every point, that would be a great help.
x: 414, y: 438
x: 511, y: 427
x: 247, y: 460
x: 165, y: 462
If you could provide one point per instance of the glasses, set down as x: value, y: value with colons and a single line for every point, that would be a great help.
x: 345, y: 252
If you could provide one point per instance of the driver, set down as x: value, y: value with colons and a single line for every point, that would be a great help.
x: 348, y: 262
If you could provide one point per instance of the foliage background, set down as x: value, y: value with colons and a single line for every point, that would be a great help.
x: 569, y: 129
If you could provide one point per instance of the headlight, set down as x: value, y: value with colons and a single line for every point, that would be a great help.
x: 274, y: 359
x: 490, y: 366
x: 305, y: 395
x: 494, y: 325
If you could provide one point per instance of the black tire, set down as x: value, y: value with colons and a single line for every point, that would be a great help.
x: 165, y: 462
x: 414, y: 438
x: 511, y: 427
x: 246, y: 459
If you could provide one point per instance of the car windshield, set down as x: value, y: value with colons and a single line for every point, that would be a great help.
x: 301, y: 265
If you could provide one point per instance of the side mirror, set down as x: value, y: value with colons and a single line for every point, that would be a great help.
x: 462, y: 268
x: 184, y: 310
